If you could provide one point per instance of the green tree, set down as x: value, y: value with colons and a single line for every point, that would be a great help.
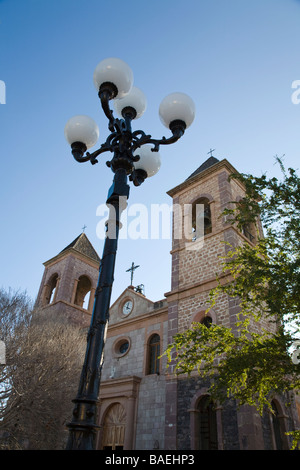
x: 264, y: 278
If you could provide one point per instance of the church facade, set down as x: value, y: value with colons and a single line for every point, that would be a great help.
x: 143, y: 404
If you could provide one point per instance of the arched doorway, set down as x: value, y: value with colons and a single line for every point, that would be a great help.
x: 114, y: 428
x: 206, y: 429
x: 278, y: 427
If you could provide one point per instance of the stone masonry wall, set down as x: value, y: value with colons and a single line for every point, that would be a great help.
x: 150, y: 412
x: 187, y: 389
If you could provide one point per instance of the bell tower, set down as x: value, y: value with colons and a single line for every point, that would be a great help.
x: 69, y: 281
x: 199, y: 233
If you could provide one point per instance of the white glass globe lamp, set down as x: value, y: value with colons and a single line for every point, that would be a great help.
x: 149, y: 161
x: 82, y: 129
x: 134, y: 99
x: 115, y: 71
x: 177, y: 107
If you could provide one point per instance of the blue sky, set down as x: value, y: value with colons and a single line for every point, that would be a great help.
x: 237, y: 59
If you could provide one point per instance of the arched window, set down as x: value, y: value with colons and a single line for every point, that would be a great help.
x: 205, y: 317
x: 249, y: 232
x: 248, y: 229
x: 201, y: 218
x: 83, y: 292
x: 206, y: 428
x: 153, y: 354
x: 206, y: 321
x: 50, y: 289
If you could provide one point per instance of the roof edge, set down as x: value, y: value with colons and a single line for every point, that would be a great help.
x: 77, y: 246
x: 69, y: 251
x: 211, y: 169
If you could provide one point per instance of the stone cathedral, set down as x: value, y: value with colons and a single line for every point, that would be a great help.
x: 143, y: 405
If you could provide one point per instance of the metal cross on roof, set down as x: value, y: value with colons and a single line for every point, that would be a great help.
x: 132, y: 269
x: 83, y: 228
x: 211, y: 152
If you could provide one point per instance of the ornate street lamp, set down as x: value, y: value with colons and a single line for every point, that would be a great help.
x: 135, y: 155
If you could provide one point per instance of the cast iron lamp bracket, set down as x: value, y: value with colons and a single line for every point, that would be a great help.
x: 133, y: 151
x: 122, y: 142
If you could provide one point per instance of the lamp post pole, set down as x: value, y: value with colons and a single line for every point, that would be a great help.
x: 135, y: 155
x: 83, y: 428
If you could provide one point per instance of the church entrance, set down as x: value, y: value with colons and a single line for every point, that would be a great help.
x: 114, y: 428
x: 207, y: 425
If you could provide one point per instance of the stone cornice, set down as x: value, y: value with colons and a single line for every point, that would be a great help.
x: 193, y: 289
x: 76, y: 253
x: 128, y: 324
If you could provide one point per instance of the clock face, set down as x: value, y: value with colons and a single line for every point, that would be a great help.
x: 127, y: 307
